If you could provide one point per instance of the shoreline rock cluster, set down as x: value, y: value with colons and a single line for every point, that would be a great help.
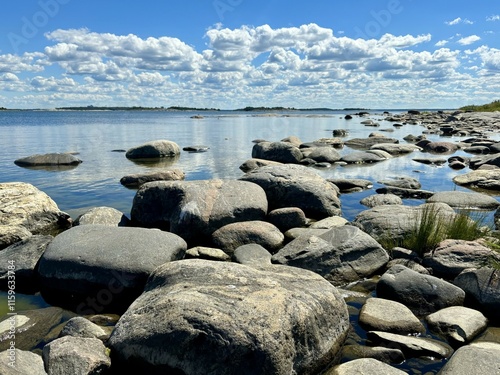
x: 259, y: 275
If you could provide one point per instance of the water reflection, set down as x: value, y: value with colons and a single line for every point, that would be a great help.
x: 164, y: 162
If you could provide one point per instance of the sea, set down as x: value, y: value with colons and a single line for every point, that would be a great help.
x: 100, y: 139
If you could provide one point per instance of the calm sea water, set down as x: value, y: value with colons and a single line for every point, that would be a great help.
x: 95, y: 136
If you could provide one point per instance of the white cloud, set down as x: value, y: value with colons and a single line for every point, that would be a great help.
x: 493, y: 18
x: 469, y: 40
x: 8, y: 77
x: 459, y: 20
x: 441, y: 43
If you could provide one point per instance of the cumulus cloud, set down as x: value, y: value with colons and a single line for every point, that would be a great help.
x: 495, y: 17
x: 469, y: 40
x: 459, y: 20
x: 441, y: 43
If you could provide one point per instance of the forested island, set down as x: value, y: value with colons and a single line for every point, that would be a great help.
x: 491, y: 107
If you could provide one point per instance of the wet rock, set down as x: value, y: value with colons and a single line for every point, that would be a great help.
x: 234, y: 235
x: 430, y: 161
x: 380, y: 200
x: 321, y: 154
x: 76, y: 355
x: 136, y: 180
x: 287, y: 218
x: 423, y: 294
x: 457, y: 324
x: 406, y: 193
x: 465, y: 200
x: 451, y: 257
x: 482, y: 288
x: 296, y: 186
x: 402, y: 182
x: 366, y: 366
x: 341, y: 255
x: 365, y: 157
x: 231, y: 318
x: 102, y: 216
x: 208, y: 253
x: 351, y: 185
x: 197, y: 148
x: 77, y: 273
x: 282, y: 152
x: 21, y: 362
x: 252, y: 164
x: 379, y: 314
x: 366, y: 143
x: 196, y: 209
x: 481, y: 179
x: 482, y: 160
x: 23, y: 257
x: 48, y: 159
x: 154, y: 149
x: 474, y: 359
x: 396, y: 149
x: 438, y: 147
x: 23, y: 205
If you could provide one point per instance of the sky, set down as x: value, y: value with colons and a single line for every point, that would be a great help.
x: 229, y: 54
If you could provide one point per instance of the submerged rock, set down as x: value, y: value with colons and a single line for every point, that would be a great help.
x: 48, y: 159
x: 154, y: 149
x: 136, y: 180
x: 227, y: 318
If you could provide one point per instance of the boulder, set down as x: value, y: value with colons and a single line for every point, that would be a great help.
x: 482, y: 289
x: 386, y: 355
x: 252, y: 164
x: 82, y: 327
x: 379, y: 314
x: 154, y: 149
x: 341, y: 254
x: 103, y: 216
x: 451, y: 257
x: 21, y: 362
x: 380, y: 200
x: 296, y: 186
x: 396, y: 148
x: 96, y: 268
x: 234, y: 235
x: 396, y: 221
x: 480, y: 179
x: 411, y: 346
x: 283, y: 152
x: 365, y: 157
x: 365, y: 366
x: 196, y: 148
x: 351, y: 185
x: 76, y: 355
x: 287, y: 218
x: 484, y: 160
x: 430, y: 161
x: 402, y: 182
x: 136, y: 180
x: 294, y: 140
x: 366, y: 143
x: 209, y: 253
x: 200, y: 317
x: 21, y: 259
x: 23, y: 205
x: 48, y: 160
x: 10, y: 234
x: 457, y: 324
x: 423, y: 294
x: 438, y: 147
x: 406, y: 193
x: 252, y: 255
x: 321, y: 154
x: 329, y: 223
x: 196, y: 209
x: 474, y: 359
x: 465, y: 200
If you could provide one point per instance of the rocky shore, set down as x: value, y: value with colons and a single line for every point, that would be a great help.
x: 262, y: 274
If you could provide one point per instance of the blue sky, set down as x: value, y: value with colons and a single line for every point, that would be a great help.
x: 233, y: 53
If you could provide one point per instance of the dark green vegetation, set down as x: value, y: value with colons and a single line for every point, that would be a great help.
x: 491, y: 107
x: 431, y: 228
x: 94, y: 108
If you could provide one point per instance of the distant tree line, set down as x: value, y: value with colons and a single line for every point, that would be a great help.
x: 491, y: 107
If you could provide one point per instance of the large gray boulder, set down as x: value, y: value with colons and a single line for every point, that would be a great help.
x: 297, y: 186
x: 465, y: 200
x: 252, y: 164
x: 22, y: 258
x: 196, y: 209
x: 201, y: 317
x: 480, y: 179
x: 21, y: 362
x: 365, y: 157
x: 366, y: 143
x: 482, y: 289
x: 23, y: 205
x: 341, y: 254
x: 48, y: 159
x: 365, y: 366
x: 481, y: 358
x: 76, y: 355
x: 321, y: 154
x: 103, y: 216
x: 423, y: 294
x: 451, y: 257
x: 282, y: 152
x: 136, y: 180
x: 234, y: 235
x: 396, y: 221
x: 96, y: 268
x: 154, y: 149
x: 381, y: 200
